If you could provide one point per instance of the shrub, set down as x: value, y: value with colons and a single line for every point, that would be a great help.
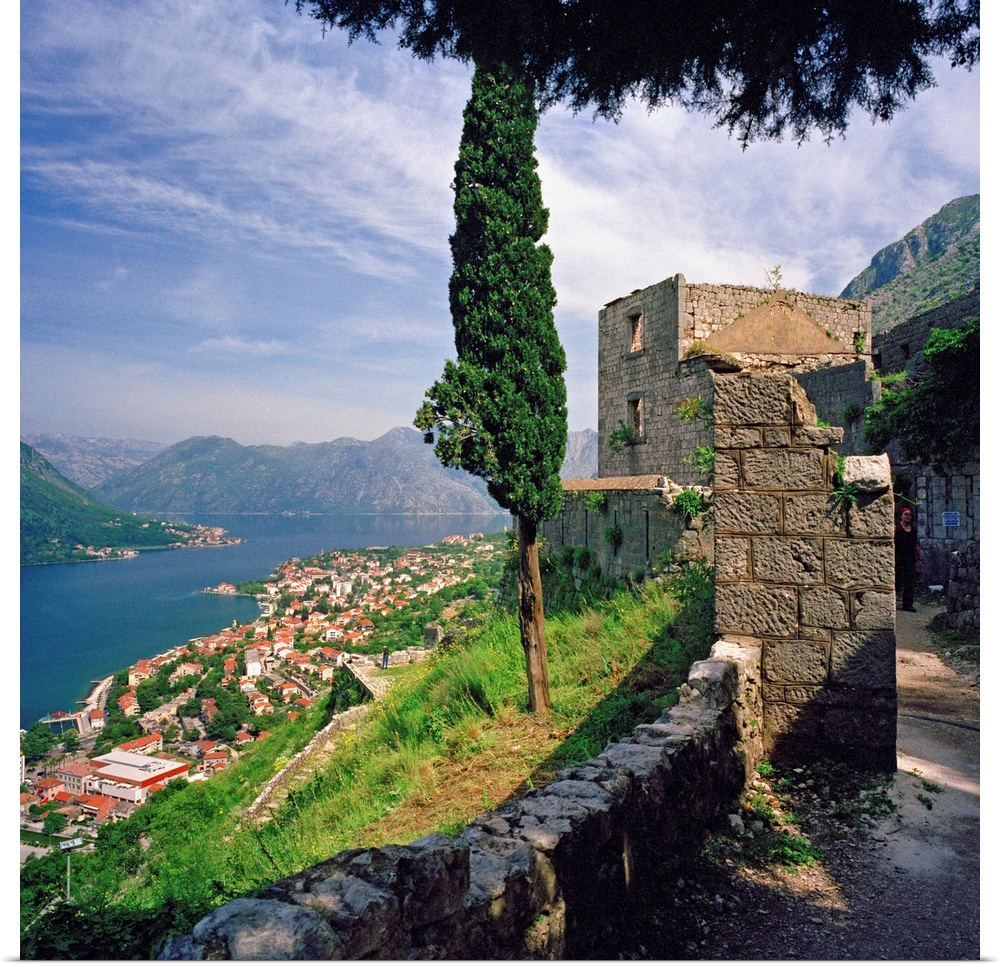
x: 690, y: 503
x: 613, y: 537
x: 621, y: 436
x: 703, y: 459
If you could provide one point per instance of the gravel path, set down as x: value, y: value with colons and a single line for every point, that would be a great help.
x: 903, y: 885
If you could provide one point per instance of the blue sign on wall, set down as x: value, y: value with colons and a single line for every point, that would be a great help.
x: 949, y: 518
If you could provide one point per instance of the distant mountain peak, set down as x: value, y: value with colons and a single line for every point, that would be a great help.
x: 929, y: 266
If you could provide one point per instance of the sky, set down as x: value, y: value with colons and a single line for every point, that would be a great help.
x: 232, y: 223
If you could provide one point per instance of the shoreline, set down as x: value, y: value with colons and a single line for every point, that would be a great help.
x: 88, y: 694
x: 141, y: 549
x: 99, y: 694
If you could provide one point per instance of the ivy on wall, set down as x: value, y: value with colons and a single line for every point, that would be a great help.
x: 934, y: 416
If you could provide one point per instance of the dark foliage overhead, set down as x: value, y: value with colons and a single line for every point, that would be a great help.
x: 763, y: 69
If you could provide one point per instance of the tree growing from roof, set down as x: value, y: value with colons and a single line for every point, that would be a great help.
x: 762, y: 68
x: 499, y: 410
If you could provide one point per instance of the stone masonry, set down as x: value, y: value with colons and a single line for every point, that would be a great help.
x: 658, y: 346
x: 963, y: 590
x: 641, y: 511
x: 946, y: 505
x: 810, y: 575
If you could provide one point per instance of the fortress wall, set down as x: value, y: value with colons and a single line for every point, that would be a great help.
x: 653, y: 368
x: 641, y: 508
x: 841, y: 395
x: 936, y: 497
x: 902, y: 346
x: 808, y: 572
x: 710, y: 308
x: 963, y: 590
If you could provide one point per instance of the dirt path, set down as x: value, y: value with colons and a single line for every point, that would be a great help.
x: 906, y: 887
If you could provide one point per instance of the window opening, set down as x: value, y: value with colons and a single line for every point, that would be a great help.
x: 635, y: 417
x: 635, y: 328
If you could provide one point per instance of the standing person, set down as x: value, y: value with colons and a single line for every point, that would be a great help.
x: 909, y: 558
x: 385, y: 656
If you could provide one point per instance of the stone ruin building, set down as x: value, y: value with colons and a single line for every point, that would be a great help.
x: 947, y: 505
x: 755, y: 398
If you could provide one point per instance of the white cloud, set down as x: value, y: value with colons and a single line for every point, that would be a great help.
x: 214, y: 121
x: 226, y: 178
x: 235, y: 345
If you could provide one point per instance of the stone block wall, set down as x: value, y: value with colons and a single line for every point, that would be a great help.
x: 934, y: 498
x: 710, y: 308
x: 647, y: 369
x: 840, y: 395
x: 809, y: 575
x: 641, y: 508
x: 902, y: 346
x: 933, y: 495
x: 646, y: 372
x: 963, y: 590
x: 546, y: 876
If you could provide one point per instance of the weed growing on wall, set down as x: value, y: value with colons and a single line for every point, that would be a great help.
x: 694, y: 408
x: 621, y: 436
x: 613, y: 537
x: 844, y: 494
x: 703, y: 459
x: 934, y: 417
x: 852, y: 413
x: 690, y: 503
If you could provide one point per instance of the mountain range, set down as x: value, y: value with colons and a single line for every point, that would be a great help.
x: 398, y: 472
x: 91, y: 461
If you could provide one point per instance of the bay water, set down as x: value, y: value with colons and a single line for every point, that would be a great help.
x: 83, y: 622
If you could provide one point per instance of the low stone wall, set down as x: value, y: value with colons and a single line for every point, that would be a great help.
x: 544, y: 876
x: 257, y: 811
x: 640, y: 510
x: 963, y: 590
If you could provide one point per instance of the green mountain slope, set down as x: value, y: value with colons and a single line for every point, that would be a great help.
x: 62, y: 522
x: 396, y: 473
x: 931, y: 265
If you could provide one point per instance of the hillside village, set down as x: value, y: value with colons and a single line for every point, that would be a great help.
x: 189, y: 713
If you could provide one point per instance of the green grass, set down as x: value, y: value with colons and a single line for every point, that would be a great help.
x: 452, y: 739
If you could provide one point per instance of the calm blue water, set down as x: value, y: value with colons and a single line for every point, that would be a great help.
x: 82, y: 622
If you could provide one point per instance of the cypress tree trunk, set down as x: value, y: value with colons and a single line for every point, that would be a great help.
x: 532, y: 616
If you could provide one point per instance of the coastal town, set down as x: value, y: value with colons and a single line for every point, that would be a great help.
x: 189, y: 713
x: 192, y: 535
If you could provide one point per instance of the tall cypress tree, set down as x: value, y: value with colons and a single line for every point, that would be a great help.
x: 500, y: 409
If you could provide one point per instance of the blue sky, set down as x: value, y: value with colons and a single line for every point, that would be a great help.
x: 232, y: 224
